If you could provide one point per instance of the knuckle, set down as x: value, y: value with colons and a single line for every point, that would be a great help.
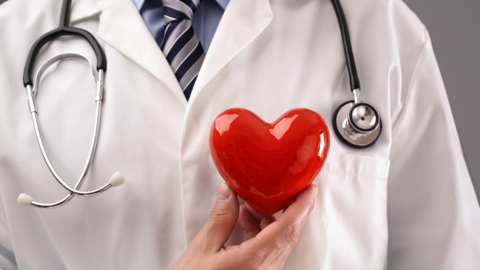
x: 292, y: 231
x: 218, y: 214
x: 277, y: 245
x: 259, y: 257
x: 259, y: 264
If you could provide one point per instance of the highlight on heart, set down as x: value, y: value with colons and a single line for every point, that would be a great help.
x: 268, y: 164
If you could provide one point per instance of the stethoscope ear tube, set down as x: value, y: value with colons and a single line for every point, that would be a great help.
x: 57, y: 58
x: 62, y: 30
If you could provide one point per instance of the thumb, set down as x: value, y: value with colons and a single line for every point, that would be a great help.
x: 221, y: 222
x: 286, y: 229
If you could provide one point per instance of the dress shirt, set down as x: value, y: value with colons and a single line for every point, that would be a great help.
x: 205, y: 20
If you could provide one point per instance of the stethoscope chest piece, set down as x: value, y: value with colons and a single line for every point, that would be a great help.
x: 357, y: 124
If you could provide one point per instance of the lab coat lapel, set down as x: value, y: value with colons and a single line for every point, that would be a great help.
x: 122, y: 27
x: 241, y: 23
x: 82, y: 10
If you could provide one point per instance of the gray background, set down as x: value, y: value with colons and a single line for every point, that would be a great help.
x: 454, y: 27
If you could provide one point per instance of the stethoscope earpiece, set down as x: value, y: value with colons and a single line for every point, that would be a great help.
x: 356, y: 123
x: 117, y: 179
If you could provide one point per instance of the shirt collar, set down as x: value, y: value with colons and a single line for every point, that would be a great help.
x: 139, y: 3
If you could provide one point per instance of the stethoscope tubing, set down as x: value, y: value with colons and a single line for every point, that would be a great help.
x: 62, y: 30
x: 89, y: 159
x: 347, y: 46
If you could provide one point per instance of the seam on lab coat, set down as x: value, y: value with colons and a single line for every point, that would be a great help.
x: 358, y: 174
x: 3, y: 216
x: 357, y: 165
x: 426, y: 38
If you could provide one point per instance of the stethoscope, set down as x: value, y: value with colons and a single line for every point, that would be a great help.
x: 356, y: 123
x: 32, y: 90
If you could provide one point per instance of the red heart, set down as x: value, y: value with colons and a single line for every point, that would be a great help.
x: 267, y: 165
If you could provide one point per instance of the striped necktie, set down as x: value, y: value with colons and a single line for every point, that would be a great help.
x: 181, y: 45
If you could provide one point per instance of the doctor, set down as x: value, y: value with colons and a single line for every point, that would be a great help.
x: 405, y: 203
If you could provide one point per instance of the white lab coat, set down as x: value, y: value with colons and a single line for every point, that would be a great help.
x: 405, y: 203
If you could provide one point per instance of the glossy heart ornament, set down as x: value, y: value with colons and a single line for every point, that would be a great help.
x: 267, y: 165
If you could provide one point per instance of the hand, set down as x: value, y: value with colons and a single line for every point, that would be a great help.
x: 269, y: 240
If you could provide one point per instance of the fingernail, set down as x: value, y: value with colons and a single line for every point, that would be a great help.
x: 223, y: 192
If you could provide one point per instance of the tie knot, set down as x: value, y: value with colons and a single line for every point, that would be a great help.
x: 178, y: 10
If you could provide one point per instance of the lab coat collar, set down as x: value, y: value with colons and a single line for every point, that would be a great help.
x: 122, y: 27
x: 241, y: 23
x: 84, y: 9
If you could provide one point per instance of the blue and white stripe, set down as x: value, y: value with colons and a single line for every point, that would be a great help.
x: 181, y: 45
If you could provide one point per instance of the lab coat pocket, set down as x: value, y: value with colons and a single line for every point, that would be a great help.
x: 348, y: 226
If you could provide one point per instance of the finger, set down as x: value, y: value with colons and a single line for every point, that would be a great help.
x: 284, y: 232
x: 267, y: 221
x: 257, y: 215
x: 221, y: 221
x: 264, y: 220
x: 273, y: 244
x: 249, y: 224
